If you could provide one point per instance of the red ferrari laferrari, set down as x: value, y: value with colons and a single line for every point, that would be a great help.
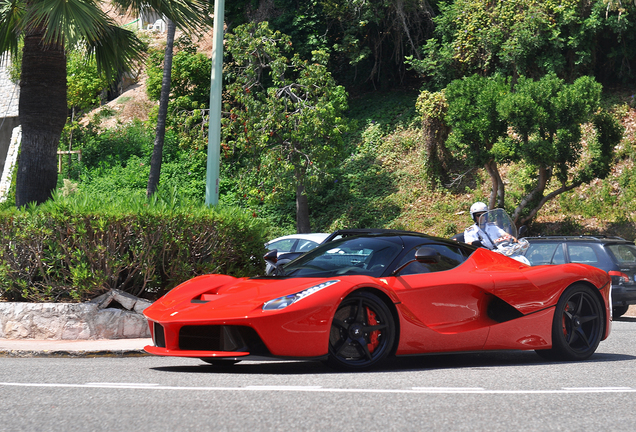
x: 364, y: 296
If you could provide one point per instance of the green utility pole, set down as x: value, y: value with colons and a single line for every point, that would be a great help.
x: 214, y: 127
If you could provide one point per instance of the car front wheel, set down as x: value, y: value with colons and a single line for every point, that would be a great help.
x: 362, y: 332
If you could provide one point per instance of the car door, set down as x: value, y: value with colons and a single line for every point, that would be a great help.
x: 443, y: 310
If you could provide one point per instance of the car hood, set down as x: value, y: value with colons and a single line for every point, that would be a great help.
x: 226, y: 296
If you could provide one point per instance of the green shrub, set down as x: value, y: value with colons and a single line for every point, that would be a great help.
x: 74, y: 248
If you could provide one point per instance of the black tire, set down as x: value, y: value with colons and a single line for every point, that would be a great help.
x: 362, y: 333
x: 578, y: 325
x: 220, y: 362
x: 619, y: 311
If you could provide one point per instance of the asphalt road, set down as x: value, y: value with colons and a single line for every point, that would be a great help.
x: 472, y: 392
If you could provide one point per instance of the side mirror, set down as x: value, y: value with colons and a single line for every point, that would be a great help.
x: 426, y: 255
x: 458, y: 237
x: 271, y: 256
x: 522, y: 231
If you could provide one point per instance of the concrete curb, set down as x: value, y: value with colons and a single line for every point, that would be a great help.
x: 79, y: 348
x: 71, y: 354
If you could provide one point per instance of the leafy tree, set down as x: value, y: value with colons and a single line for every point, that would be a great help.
x: 48, y: 29
x: 371, y: 38
x: 477, y: 126
x: 568, y: 38
x: 304, y: 21
x: 285, y: 116
x: 190, y: 91
x: 84, y: 83
x: 547, y: 116
x: 367, y: 40
x: 190, y: 78
x: 433, y: 107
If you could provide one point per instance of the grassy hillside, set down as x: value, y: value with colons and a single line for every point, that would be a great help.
x: 388, y: 186
x: 382, y: 182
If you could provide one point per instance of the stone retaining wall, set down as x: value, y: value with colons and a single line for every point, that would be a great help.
x: 76, y: 321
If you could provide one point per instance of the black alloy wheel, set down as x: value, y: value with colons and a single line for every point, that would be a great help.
x: 578, y: 325
x: 362, y: 332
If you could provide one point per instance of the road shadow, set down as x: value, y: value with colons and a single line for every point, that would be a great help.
x: 484, y: 360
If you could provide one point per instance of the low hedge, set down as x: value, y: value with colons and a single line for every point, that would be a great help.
x: 62, y: 251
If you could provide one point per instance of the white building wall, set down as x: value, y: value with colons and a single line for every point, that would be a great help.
x: 9, y: 98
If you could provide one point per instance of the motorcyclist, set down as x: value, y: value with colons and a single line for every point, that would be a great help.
x: 482, y: 234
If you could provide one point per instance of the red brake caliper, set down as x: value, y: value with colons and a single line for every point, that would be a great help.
x: 565, y: 329
x: 373, y: 337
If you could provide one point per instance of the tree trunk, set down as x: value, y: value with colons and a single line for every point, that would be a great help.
x: 157, y: 152
x: 42, y: 113
x: 302, y: 209
x: 497, y: 193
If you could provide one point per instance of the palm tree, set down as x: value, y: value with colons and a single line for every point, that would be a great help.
x: 157, y: 152
x: 46, y: 29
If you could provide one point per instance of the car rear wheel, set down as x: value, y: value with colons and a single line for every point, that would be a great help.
x: 619, y: 311
x: 362, y: 332
x: 578, y: 325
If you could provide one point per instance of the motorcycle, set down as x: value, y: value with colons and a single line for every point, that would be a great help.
x: 501, y: 232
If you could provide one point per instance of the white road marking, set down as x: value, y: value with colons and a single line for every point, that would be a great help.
x: 282, y: 388
x: 319, y: 389
x: 122, y: 385
x: 447, y: 389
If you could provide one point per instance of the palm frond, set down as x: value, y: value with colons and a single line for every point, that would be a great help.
x: 11, y: 13
x: 116, y: 51
x: 188, y: 15
x: 65, y: 22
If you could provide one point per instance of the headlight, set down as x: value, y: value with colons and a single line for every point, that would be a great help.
x: 283, y: 302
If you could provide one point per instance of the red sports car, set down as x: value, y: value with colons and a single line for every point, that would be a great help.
x: 357, y: 299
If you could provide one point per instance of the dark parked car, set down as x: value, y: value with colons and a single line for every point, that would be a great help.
x: 615, y: 255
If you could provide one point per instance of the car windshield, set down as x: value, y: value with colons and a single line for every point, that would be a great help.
x: 347, y: 256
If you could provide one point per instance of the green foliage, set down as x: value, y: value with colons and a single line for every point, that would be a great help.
x: 369, y: 39
x: 114, y: 147
x: 547, y: 115
x: 116, y: 162
x: 473, y: 116
x: 524, y: 37
x: 305, y: 22
x: 190, y: 76
x: 190, y: 92
x: 75, y: 248
x: 285, y: 124
x: 432, y: 105
x: 361, y: 191
x: 84, y: 83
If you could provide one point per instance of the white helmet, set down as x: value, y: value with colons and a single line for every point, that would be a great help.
x: 478, y: 207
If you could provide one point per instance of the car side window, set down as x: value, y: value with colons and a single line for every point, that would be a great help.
x: 305, y: 245
x: 542, y: 253
x: 559, y: 255
x: 450, y: 257
x: 582, y: 254
x: 285, y: 245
